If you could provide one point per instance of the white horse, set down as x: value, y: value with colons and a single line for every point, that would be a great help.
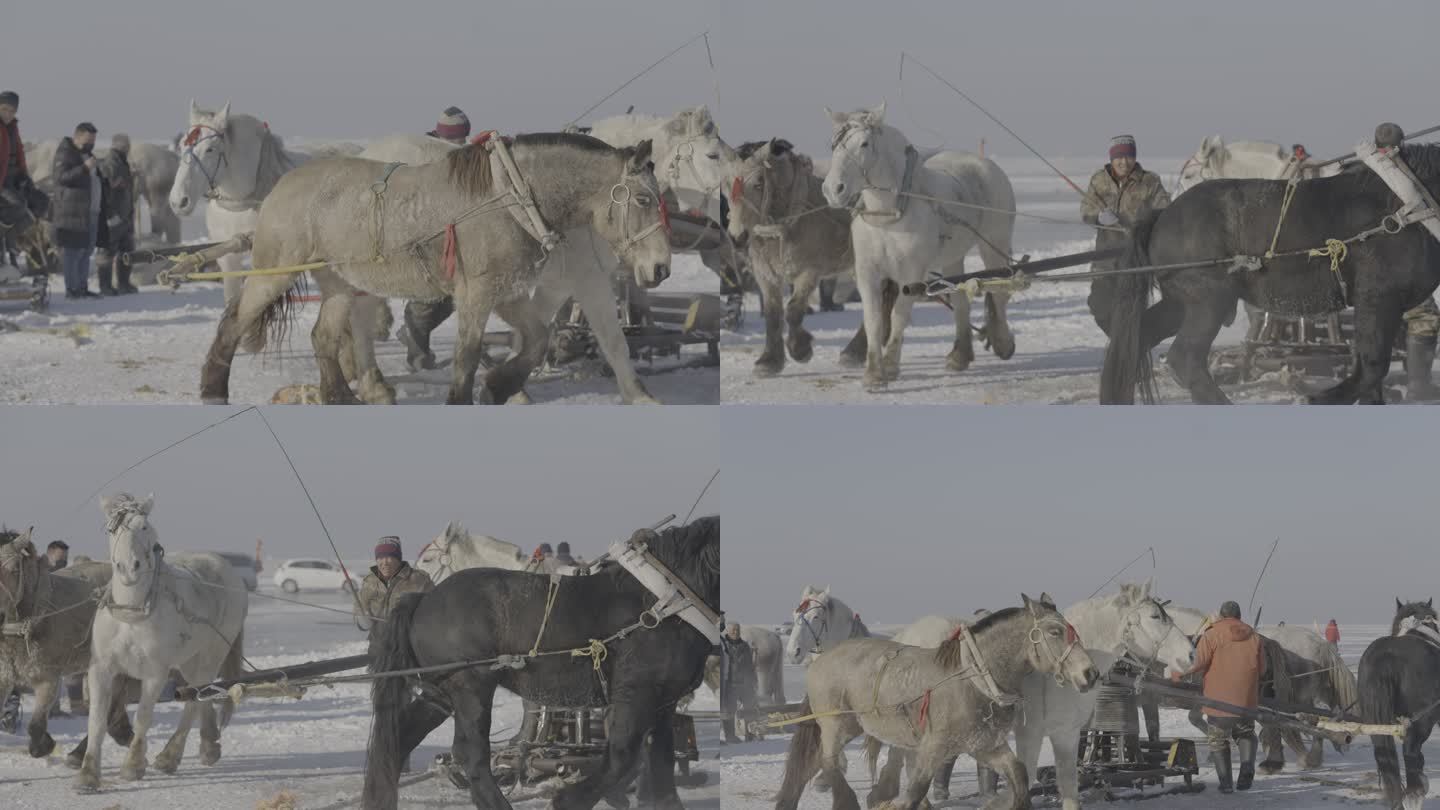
x: 1130, y: 623
x: 769, y: 663
x: 233, y: 161
x: 1262, y: 160
x: 457, y: 549
x: 691, y: 160
x: 820, y: 622
x: 186, y: 614
x: 904, y: 228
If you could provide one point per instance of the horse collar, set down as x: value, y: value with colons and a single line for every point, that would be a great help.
x: 1427, y: 632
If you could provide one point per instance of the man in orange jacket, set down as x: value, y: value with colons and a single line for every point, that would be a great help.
x: 1231, y: 656
x: 1332, y: 632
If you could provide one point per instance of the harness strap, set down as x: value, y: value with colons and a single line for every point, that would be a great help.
x: 378, y: 210
x: 545, y: 619
x: 532, y: 221
x: 676, y: 598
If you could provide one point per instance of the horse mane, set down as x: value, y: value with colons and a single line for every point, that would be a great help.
x: 1424, y: 158
x: 745, y: 150
x: 692, y: 551
x: 469, y: 169
x: 274, y: 160
x: 8, y: 535
x: 578, y: 140
x: 950, y: 654
x: 1277, y: 669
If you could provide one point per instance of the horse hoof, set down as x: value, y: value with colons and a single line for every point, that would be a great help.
x: 802, y: 348
x: 1004, y: 349
x: 42, y: 747
x: 767, y: 367
x: 852, y: 360
x: 211, y: 400
x: 87, y: 783
x: 1271, y: 767
x: 959, y: 358
x: 209, y: 754
x: 73, y: 762
x: 644, y: 399
x: 520, y: 398
x: 164, y: 765
x: 133, y: 773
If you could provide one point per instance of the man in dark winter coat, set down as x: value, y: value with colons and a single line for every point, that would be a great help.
x: 78, y: 192
x: 737, y: 682
x: 119, y: 213
x: 1121, y: 194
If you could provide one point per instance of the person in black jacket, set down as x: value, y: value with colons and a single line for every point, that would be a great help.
x: 119, y: 218
x: 77, y: 208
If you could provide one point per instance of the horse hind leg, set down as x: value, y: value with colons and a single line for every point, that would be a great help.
x: 328, y: 339
x: 1189, y: 355
x: 1274, y: 762
x: 887, y: 783
x: 366, y: 313
x: 168, y: 760
x: 1416, y: 784
x: 507, y: 379
x: 241, y: 316
x: 473, y: 710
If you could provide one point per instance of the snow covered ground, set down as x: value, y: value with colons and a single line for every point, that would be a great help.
x: 1059, y: 350
x: 148, y: 348
x: 313, y: 749
x: 751, y: 772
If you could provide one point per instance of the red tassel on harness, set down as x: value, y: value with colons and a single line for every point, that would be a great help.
x: 959, y: 631
x: 1071, y: 637
x: 803, y: 606
x: 924, y: 710
x: 451, y: 252
x: 192, y: 136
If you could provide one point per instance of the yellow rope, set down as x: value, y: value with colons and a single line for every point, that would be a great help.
x: 265, y: 271
x: 1284, y: 209
x: 596, y: 650
x: 1336, y: 250
x: 544, y: 620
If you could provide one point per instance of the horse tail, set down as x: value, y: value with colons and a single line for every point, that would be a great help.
x: 389, y: 651
x: 801, y: 763
x: 1379, y: 692
x: 1127, y: 357
x: 277, y: 319
x: 777, y: 676
x: 1345, y: 690
x: 232, y: 667
x: 872, y: 757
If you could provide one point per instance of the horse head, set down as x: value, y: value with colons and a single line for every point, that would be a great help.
x: 18, y: 571
x: 636, y: 222
x: 220, y: 158
x: 808, y: 624
x: 1055, y: 647
x: 860, y: 156
x: 135, y: 550
x: 695, y: 153
x: 772, y: 183
x: 1409, y: 615
x: 1148, y: 632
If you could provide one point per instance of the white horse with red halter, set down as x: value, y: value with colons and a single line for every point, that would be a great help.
x: 915, y: 215
x: 230, y: 162
x: 820, y: 622
x: 457, y: 549
x: 1249, y: 160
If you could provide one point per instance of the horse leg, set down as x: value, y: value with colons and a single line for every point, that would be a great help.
x: 135, y: 763
x: 209, y: 734
x: 922, y: 765
x: 799, y: 341
x: 473, y: 710
x: 870, y: 282
x: 507, y: 379
x: 473, y: 304
x: 1375, y: 330
x: 834, y: 736
x: 241, y: 316
x: 366, y: 313
x: 596, y: 297
x: 102, y: 687
x: 254, y: 341
x: 168, y: 760
x: 1004, y: 761
x: 997, y: 326
x: 1416, y: 785
x: 962, y: 354
x: 1067, y: 770
x: 332, y: 338
x: 1270, y: 739
x: 119, y: 726
x: 940, y: 787
x: 661, y: 761
x: 772, y: 305
x: 1189, y: 355
x: 899, y: 319
x: 887, y: 784
x: 46, y: 694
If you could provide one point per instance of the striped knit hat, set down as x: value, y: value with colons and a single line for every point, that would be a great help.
x: 388, y: 547
x: 1122, y: 146
x: 453, y: 125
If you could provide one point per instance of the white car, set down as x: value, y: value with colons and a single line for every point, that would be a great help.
x: 312, y: 575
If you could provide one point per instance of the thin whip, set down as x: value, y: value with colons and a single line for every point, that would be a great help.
x: 634, y: 78
x: 1150, y: 551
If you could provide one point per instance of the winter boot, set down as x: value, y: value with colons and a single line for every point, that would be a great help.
x: 1419, y: 357
x: 122, y: 278
x: 104, y: 273
x: 1246, y: 748
x: 1221, y: 758
x: 731, y: 737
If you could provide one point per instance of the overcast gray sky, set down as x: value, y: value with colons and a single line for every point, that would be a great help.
x: 528, y: 475
x: 910, y: 511
x: 1065, y: 75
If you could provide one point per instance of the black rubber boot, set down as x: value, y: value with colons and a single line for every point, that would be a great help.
x: 422, y: 318
x: 1419, y: 357
x: 1245, y: 747
x: 104, y: 272
x: 122, y: 278
x: 731, y: 737
x: 1221, y: 759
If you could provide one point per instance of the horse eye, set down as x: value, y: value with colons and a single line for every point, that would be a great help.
x: 713, y: 155
x: 864, y: 144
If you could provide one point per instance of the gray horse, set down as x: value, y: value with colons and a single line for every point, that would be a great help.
x: 769, y: 663
x: 45, y: 623
x: 958, y: 699
x: 794, y: 237
x: 445, y: 228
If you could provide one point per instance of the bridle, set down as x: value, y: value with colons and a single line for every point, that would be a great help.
x: 684, y: 151
x: 801, y: 613
x: 738, y: 197
x: 118, y: 520
x: 200, y: 133
x: 623, y: 196
x: 443, y: 560
x: 1132, y: 620
x: 1037, y: 639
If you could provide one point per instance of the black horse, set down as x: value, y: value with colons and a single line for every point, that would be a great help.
x: 1400, y: 677
x: 1382, y: 276
x: 480, y: 614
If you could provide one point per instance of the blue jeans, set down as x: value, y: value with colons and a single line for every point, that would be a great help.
x: 76, y: 264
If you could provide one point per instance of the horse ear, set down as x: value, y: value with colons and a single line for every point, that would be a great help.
x: 837, y: 119
x: 1430, y: 603
x: 1029, y: 605
x: 147, y: 504
x: 1047, y: 600
x: 194, y: 111
x: 641, y: 156
x: 1149, y: 584
x: 107, y: 501
x: 877, y: 114
x: 222, y: 118
x: 1211, y: 145
x: 779, y: 146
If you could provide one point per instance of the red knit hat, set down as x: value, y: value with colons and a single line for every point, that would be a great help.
x: 1122, y: 146
x: 388, y: 547
x: 453, y: 125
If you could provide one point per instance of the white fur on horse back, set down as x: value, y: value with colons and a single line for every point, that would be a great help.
x: 95, y: 572
x: 928, y: 631
x: 407, y: 148
x: 761, y: 640
x: 982, y: 179
x: 209, y: 567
